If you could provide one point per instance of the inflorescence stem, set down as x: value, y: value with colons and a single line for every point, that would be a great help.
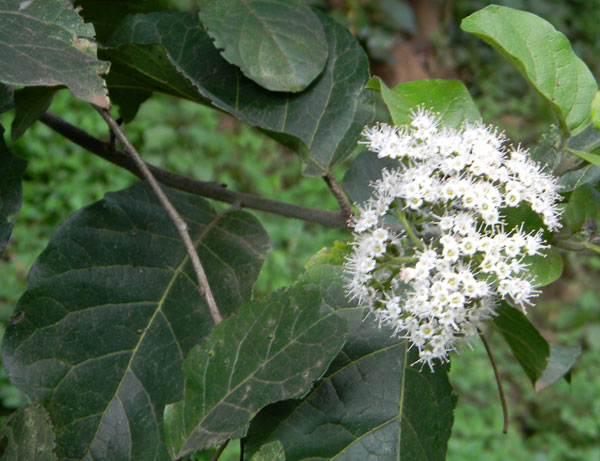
x: 498, y: 382
x: 409, y: 231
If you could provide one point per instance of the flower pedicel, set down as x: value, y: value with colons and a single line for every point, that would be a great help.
x: 432, y: 253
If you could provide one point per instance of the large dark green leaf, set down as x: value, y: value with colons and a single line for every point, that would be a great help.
x: 278, y: 44
x: 545, y: 58
x: 112, y: 308
x: 450, y: 98
x: 529, y: 347
x: 11, y: 191
x: 30, y: 104
x: 28, y: 435
x: 106, y: 15
x: 371, y: 404
x: 171, y: 52
x: 46, y: 43
x: 273, y: 349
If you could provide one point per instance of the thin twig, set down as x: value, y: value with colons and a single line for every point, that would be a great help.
x: 220, y: 450
x: 498, y: 382
x: 180, y: 224
x: 340, y: 195
x: 213, y: 190
x: 409, y: 230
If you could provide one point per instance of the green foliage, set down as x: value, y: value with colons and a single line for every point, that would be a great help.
x: 322, y: 123
x: 273, y: 47
x: 270, y: 452
x: 64, y: 51
x: 112, y: 331
x: 30, y: 104
x: 371, y: 402
x: 272, y: 350
x: 140, y: 309
x: 545, y: 58
x: 448, y: 97
x: 28, y: 434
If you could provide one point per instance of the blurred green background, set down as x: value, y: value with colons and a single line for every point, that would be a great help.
x: 559, y: 423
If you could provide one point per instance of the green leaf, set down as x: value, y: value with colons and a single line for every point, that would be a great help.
x: 365, y: 169
x: 112, y: 308
x: 270, y: 452
x: 588, y: 140
x: 545, y: 58
x: 28, y: 435
x: 6, y: 98
x: 281, y: 45
x: 595, y: 110
x: 584, y: 204
x: 594, y: 159
x: 560, y: 362
x: 448, y: 97
x: 571, y: 180
x: 529, y: 347
x: 30, y: 104
x: 11, y: 191
x: 273, y: 349
x: 371, y: 404
x: 46, y: 43
x: 171, y: 53
x: 334, y: 256
x: 546, y: 267
x: 106, y: 15
x: 548, y: 151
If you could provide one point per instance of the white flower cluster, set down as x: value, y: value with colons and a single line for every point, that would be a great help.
x: 432, y: 252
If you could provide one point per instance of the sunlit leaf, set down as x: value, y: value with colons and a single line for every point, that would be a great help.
x: 111, y: 310
x: 545, y: 58
x: 450, y: 98
x: 281, y: 45
x: 46, y: 43
x: 273, y: 349
x: 595, y: 109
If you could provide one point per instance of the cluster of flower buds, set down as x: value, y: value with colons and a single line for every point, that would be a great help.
x: 432, y: 252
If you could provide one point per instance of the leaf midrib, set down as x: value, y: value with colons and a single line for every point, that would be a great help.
x: 158, y: 310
